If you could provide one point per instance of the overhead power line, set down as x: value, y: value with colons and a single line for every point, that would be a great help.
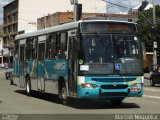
x: 108, y: 6
x: 129, y: 8
x: 116, y: 4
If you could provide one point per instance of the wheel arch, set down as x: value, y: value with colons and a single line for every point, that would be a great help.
x: 61, y: 81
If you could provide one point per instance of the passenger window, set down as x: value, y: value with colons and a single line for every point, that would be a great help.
x: 30, y: 48
x: 41, y: 50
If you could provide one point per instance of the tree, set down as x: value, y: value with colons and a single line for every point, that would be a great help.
x: 145, y: 21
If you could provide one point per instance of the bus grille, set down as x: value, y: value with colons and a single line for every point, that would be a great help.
x: 113, y: 94
x: 113, y: 79
x: 114, y: 86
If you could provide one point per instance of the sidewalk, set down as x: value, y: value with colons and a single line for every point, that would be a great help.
x: 147, y: 75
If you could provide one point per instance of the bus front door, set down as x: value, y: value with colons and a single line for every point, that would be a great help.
x: 21, y: 66
x: 40, y: 64
x: 72, y: 83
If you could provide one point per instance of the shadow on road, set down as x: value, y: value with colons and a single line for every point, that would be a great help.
x: 79, y: 103
x: 44, y: 96
x: 95, y: 104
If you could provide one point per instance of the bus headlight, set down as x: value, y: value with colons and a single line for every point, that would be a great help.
x: 88, y: 85
x: 136, y: 87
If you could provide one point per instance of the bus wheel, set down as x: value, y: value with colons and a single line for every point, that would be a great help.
x: 28, y: 86
x: 11, y: 79
x: 63, y: 95
x: 152, y: 83
x: 116, y: 102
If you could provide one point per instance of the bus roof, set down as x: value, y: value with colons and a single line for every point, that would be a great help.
x: 48, y: 30
x: 62, y: 27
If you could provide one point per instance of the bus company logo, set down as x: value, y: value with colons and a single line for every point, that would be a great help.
x: 60, y: 66
x: 114, y: 85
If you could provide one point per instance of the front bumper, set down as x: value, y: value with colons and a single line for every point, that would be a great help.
x: 109, y: 90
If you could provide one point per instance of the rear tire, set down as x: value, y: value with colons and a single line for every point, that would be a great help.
x: 28, y: 86
x: 11, y: 79
x: 63, y: 95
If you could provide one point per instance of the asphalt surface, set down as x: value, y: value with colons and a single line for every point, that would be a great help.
x: 14, y: 101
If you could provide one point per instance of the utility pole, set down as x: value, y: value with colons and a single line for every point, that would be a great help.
x: 155, y: 38
x: 74, y: 3
x: 106, y: 7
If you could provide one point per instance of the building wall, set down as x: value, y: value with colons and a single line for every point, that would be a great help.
x: 63, y: 17
x: 30, y: 10
x: 54, y: 19
x: 1, y: 43
x: 10, y: 22
x: 1, y: 37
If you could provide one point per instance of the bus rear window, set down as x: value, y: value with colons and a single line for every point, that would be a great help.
x: 108, y: 27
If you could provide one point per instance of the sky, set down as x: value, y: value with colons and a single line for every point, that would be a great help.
x: 97, y: 6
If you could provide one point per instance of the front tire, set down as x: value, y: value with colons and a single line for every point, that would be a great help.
x: 28, y: 86
x: 116, y: 102
x: 152, y: 83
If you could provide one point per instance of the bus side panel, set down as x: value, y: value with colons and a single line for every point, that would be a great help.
x: 16, y: 68
x: 52, y: 71
x: 56, y: 68
x: 40, y: 70
x: 30, y: 68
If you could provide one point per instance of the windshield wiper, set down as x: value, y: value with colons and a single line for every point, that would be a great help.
x: 99, y: 39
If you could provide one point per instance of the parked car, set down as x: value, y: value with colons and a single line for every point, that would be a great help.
x: 8, y: 73
x: 155, y: 78
x: 2, y: 65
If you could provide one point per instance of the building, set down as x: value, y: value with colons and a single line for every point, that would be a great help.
x: 144, y: 6
x: 20, y: 16
x: 63, y: 17
x: 54, y: 19
x: 10, y: 23
x: 1, y: 43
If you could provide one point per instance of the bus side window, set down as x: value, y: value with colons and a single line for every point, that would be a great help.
x: 35, y: 42
x: 48, y: 47
x: 63, y: 48
x: 51, y: 46
x: 58, y: 44
x: 41, y: 51
x: 30, y: 48
x: 22, y: 52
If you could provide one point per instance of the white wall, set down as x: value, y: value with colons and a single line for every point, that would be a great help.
x: 1, y: 44
x: 30, y: 10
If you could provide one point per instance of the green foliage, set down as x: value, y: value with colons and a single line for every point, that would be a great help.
x: 145, y: 20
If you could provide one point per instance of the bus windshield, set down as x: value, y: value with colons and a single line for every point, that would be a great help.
x: 97, y: 49
x: 101, y: 52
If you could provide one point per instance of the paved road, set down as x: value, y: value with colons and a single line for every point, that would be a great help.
x: 14, y: 101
